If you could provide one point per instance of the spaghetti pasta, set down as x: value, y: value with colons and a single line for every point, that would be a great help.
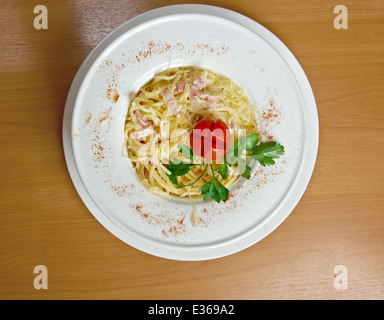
x: 164, y: 112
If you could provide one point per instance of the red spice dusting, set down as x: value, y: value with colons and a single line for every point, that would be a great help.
x: 123, y: 191
x: 271, y: 116
x: 98, y: 151
x: 158, y: 48
x: 99, y: 148
x: 171, y: 226
x: 87, y: 119
x: 113, y: 95
x: 172, y: 231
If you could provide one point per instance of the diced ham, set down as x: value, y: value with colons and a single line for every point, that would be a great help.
x: 194, y: 101
x: 200, y: 83
x: 167, y: 95
x: 140, y: 120
x: 171, y: 101
x: 196, y: 86
x: 210, y: 99
x: 142, y: 133
x: 180, y: 86
x: 194, y: 90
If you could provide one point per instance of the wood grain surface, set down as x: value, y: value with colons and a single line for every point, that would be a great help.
x: 339, y: 221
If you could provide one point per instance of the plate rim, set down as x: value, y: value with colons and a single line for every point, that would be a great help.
x: 269, y: 223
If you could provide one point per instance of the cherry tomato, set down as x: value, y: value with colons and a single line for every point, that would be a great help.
x: 209, y: 139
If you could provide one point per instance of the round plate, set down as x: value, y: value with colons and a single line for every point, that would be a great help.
x: 227, y: 43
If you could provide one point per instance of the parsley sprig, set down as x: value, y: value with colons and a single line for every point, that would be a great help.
x: 249, y: 146
x: 214, y: 189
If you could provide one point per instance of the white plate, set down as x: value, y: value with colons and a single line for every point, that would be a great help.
x: 225, y: 42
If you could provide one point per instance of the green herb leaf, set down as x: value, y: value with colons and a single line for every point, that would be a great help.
x: 232, y: 155
x: 265, y: 152
x: 247, y: 172
x: 178, y: 169
x: 186, y: 151
x: 230, y: 158
x: 239, y: 146
x: 172, y: 177
x: 222, y: 191
x: 251, y: 141
x: 223, y: 171
x: 209, y: 190
x: 213, y: 189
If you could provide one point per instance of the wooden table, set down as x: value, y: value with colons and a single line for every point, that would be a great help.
x: 338, y: 222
